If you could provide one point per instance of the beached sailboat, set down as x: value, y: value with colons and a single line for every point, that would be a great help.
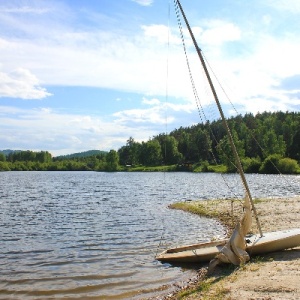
x: 255, y: 245
x: 240, y: 246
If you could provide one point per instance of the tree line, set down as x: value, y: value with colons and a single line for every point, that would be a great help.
x: 266, y: 143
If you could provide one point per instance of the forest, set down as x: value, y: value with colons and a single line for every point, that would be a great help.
x: 266, y: 142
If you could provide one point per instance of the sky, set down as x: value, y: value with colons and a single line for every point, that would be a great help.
x: 78, y: 75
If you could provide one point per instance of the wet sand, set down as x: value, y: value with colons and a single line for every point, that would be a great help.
x: 273, y: 276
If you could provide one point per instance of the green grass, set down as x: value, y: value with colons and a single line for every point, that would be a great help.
x: 194, y: 208
x: 211, y: 288
x: 207, y: 209
x: 217, y: 168
x: 149, y: 169
x: 258, y: 200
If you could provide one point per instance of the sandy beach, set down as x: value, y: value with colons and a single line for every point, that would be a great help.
x: 274, y: 276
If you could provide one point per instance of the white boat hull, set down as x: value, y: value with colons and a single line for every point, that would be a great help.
x: 204, y: 252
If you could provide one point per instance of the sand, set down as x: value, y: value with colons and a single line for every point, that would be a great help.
x: 273, y: 276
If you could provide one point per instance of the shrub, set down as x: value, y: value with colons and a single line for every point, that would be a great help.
x: 251, y: 165
x: 288, y: 166
x: 270, y: 164
x: 4, y: 166
x: 204, y: 166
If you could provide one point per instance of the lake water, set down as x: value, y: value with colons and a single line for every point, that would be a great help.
x: 93, y: 235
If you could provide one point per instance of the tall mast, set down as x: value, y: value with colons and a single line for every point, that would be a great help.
x: 233, y: 147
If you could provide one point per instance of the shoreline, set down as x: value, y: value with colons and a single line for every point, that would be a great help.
x: 274, y: 276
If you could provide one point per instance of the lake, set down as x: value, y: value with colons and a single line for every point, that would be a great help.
x: 94, y: 235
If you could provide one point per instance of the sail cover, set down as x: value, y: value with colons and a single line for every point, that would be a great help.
x: 234, y: 250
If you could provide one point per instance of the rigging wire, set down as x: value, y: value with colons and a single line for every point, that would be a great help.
x: 195, y: 92
x: 167, y: 79
x: 237, y: 113
x: 166, y: 121
x: 199, y: 105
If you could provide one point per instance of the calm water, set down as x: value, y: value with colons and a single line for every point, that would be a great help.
x: 89, y: 235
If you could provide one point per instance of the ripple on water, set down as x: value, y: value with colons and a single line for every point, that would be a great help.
x: 75, y: 235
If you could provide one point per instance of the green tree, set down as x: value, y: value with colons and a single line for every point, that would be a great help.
x: 129, y: 154
x: 171, y: 155
x: 2, y: 157
x: 112, y: 161
x: 43, y: 157
x: 294, y: 149
x: 271, y: 143
x: 226, y: 154
x: 202, y: 145
x: 124, y: 155
x: 151, y: 154
x: 4, y: 166
x: 18, y: 166
x: 184, y: 144
x: 92, y: 162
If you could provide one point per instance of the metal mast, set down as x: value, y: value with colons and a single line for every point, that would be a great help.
x: 233, y: 147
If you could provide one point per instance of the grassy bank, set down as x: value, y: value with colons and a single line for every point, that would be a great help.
x: 226, y: 211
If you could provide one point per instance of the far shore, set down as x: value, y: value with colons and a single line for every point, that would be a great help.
x: 273, y: 276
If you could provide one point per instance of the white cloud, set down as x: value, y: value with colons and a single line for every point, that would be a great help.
x: 153, y: 115
x: 90, y: 59
x: 45, y: 129
x: 151, y: 101
x: 21, y: 83
x: 217, y: 32
x: 267, y: 19
x: 135, y: 63
x: 138, y: 61
x: 24, y: 10
x: 156, y: 114
x: 292, y: 6
x: 143, y: 2
x: 263, y: 72
x: 159, y: 32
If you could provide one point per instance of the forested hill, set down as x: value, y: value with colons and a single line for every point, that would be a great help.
x: 261, y: 140
x: 255, y: 136
x: 266, y: 143
x: 81, y: 154
x: 6, y: 152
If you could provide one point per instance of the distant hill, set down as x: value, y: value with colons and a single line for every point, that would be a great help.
x: 81, y: 154
x: 6, y: 152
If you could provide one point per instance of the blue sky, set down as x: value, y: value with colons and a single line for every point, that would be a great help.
x: 77, y: 75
